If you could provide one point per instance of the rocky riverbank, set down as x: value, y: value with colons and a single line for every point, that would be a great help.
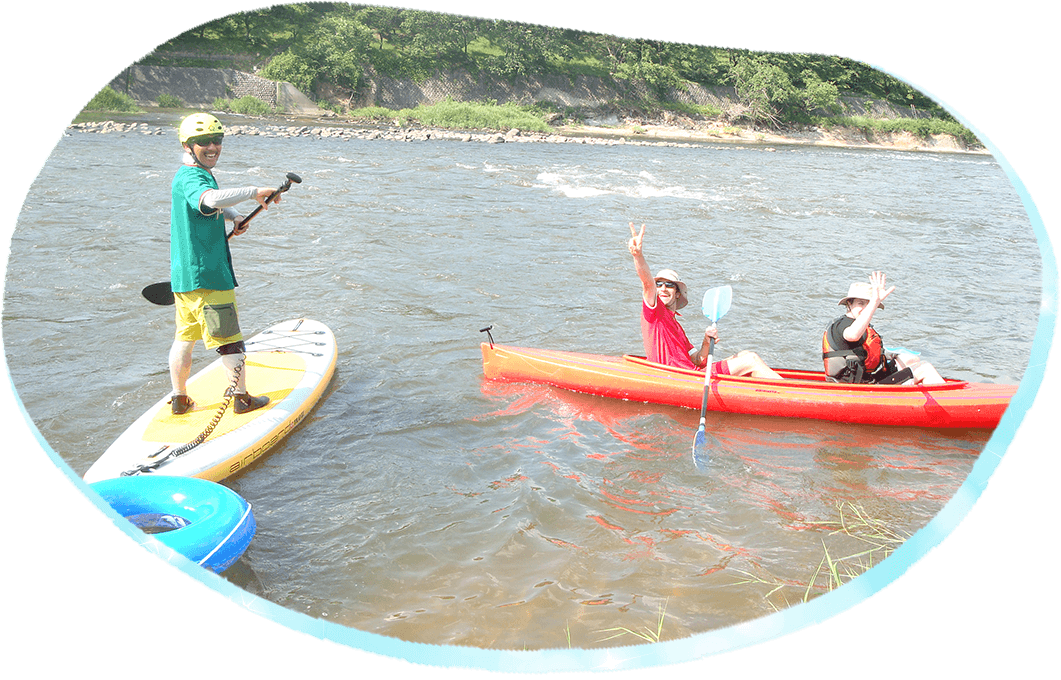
x: 712, y: 133
x: 632, y: 132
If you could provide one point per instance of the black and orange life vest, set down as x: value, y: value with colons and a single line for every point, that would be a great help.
x: 851, y: 361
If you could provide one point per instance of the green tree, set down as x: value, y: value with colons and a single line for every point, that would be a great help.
x: 384, y: 22
x: 526, y: 48
x: 333, y: 50
x: 338, y: 46
x: 763, y: 87
x: 431, y: 40
x: 819, y: 94
x: 698, y: 64
x: 285, y: 24
x: 612, y: 51
x: 292, y: 68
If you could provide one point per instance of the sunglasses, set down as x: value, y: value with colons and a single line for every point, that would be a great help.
x: 666, y: 284
x: 207, y: 141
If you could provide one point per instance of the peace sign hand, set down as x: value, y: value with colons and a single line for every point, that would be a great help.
x: 636, y: 239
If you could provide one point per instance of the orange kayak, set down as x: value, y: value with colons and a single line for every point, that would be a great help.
x: 801, y: 394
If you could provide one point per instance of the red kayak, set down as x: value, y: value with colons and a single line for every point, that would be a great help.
x: 801, y: 394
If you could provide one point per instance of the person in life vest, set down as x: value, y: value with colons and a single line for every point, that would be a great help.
x: 664, y: 338
x: 853, y: 351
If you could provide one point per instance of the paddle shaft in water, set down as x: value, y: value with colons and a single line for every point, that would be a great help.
x: 716, y: 304
x: 700, y: 439
x: 161, y: 293
x: 707, y: 384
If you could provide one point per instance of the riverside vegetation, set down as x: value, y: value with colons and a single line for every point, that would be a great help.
x: 331, y: 50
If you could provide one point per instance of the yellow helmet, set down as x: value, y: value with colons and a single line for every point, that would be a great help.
x: 197, y: 125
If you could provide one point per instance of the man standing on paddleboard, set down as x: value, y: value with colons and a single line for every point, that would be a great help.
x: 664, y: 338
x: 201, y: 264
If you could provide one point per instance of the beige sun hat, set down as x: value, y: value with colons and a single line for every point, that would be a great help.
x: 671, y: 275
x: 859, y: 290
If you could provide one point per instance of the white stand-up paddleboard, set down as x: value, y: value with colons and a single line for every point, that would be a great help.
x: 291, y: 363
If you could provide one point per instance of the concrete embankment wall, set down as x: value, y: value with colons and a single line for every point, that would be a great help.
x: 579, y: 92
x: 199, y: 87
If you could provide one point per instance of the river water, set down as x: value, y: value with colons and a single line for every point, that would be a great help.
x: 420, y: 501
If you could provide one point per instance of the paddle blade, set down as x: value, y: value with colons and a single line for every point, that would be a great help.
x: 159, y: 293
x: 700, y: 448
x: 901, y: 350
x: 717, y: 301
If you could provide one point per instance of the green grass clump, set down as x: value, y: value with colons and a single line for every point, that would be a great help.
x: 249, y: 106
x: 109, y: 100
x: 373, y: 113
x: 877, y: 540
x: 168, y: 101
x: 645, y: 633
x: 453, y: 115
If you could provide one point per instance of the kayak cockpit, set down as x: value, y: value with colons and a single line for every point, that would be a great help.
x: 805, y: 378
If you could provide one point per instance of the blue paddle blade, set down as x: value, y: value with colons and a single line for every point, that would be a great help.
x: 700, y: 449
x: 902, y: 350
x: 717, y: 301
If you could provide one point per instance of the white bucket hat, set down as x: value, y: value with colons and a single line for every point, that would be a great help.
x: 859, y: 290
x: 672, y: 276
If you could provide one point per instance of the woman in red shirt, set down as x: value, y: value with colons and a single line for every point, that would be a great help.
x: 665, y: 339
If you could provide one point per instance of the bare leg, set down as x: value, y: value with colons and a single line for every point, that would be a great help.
x: 180, y: 365
x: 244, y: 403
x: 747, y: 362
x: 924, y: 372
x: 231, y: 363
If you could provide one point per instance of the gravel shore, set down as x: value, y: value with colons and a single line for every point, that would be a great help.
x: 640, y: 135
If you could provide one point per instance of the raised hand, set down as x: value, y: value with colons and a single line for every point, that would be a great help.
x: 636, y: 239
x: 877, y: 283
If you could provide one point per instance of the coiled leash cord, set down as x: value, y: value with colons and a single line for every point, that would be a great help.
x: 185, y: 448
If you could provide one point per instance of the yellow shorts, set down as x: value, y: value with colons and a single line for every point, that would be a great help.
x: 207, y: 315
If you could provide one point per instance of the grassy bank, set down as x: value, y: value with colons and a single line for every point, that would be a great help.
x: 696, y: 123
x: 922, y: 128
x: 453, y: 115
x: 542, y: 118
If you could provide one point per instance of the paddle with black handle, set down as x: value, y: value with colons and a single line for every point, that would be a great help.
x: 161, y: 293
x: 716, y: 304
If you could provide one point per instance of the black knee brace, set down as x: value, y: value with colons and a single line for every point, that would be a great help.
x: 231, y: 348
